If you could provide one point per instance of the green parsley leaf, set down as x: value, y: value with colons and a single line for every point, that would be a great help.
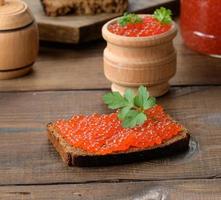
x: 163, y: 15
x: 142, y: 97
x: 149, y: 103
x: 131, y: 108
x: 129, y: 18
x: 124, y: 112
x: 129, y: 96
x: 114, y: 100
x: 134, y: 118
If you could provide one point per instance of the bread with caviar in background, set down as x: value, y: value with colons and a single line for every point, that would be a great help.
x: 83, y: 7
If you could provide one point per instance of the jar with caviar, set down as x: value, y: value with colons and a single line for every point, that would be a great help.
x: 201, y: 25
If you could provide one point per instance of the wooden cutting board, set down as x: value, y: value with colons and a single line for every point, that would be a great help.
x: 77, y: 29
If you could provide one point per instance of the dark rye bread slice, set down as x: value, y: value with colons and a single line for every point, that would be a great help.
x: 77, y: 157
x: 83, y: 7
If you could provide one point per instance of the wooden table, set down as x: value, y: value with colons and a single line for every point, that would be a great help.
x: 68, y: 80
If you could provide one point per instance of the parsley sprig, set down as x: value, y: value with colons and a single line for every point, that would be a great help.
x: 131, y: 107
x: 163, y: 15
x: 129, y: 18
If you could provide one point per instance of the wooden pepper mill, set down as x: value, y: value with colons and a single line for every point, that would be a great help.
x: 18, y: 39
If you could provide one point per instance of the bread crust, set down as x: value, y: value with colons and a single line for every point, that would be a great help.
x: 76, y: 157
x: 83, y: 7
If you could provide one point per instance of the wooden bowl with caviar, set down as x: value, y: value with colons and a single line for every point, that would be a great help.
x: 140, y: 51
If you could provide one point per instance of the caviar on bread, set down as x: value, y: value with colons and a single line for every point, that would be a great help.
x: 120, y: 137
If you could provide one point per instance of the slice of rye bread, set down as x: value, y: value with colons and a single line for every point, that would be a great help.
x: 83, y: 7
x: 76, y: 157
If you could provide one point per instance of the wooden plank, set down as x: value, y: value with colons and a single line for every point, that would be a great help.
x: 80, y: 67
x: 75, y: 29
x: 26, y: 157
x: 162, y: 190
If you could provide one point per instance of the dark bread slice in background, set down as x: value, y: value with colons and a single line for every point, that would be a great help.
x: 83, y: 7
x: 77, y: 157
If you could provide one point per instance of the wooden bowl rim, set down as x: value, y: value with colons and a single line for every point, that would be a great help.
x: 107, y: 34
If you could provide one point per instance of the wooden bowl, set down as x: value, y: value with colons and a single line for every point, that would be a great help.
x: 133, y: 61
x: 18, y: 39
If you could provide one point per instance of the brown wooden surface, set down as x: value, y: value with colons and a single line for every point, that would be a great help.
x: 161, y: 190
x: 76, y: 29
x: 81, y: 67
x: 69, y: 80
x: 32, y: 160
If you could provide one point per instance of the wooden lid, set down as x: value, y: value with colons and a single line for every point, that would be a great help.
x: 14, y: 14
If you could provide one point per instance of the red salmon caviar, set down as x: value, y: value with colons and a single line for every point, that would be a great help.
x: 148, y: 27
x: 201, y: 25
x: 103, y: 134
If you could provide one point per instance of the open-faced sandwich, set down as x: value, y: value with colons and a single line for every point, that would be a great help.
x: 83, y: 7
x: 139, y: 130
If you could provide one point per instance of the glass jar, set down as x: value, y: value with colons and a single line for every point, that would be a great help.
x: 201, y: 25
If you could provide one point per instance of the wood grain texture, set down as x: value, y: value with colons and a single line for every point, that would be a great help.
x: 12, y: 56
x: 31, y: 159
x: 81, y: 67
x: 2, y: 2
x: 75, y: 29
x: 163, y: 190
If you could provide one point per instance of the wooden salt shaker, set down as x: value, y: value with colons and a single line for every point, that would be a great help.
x: 18, y: 39
x: 133, y: 61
